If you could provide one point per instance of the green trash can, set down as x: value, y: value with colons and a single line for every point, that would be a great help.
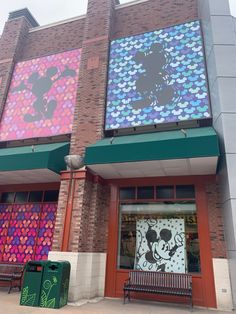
x: 55, y: 284
x: 31, y: 288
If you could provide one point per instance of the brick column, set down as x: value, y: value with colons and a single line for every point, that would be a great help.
x: 94, y: 217
x: 90, y: 108
x: 85, y: 236
x: 89, y: 228
x: 11, y: 43
x: 82, y: 214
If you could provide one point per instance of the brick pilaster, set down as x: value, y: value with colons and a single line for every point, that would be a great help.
x: 218, y: 245
x: 90, y: 107
x: 82, y: 214
x: 11, y: 43
x: 94, y: 218
x: 89, y: 208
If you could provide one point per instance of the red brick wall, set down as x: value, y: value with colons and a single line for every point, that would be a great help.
x: 93, y: 218
x: 218, y: 245
x: 89, y: 221
x: 90, y: 107
x: 11, y: 44
x: 153, y: 14
x: 13, y: 38
x: 51, y: 40
x: 102, y: 204
x: 79, y: 213
x: 6, y: 69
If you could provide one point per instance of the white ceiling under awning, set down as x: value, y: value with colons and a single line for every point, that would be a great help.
x: 28, y: 176
x: 157, y: 168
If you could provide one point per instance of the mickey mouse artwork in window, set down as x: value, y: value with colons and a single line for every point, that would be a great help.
x: 160, y: 245
x: 161, y: 236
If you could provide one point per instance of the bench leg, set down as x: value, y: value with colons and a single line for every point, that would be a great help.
x: 9, y: 291
x: 126, y: 295
x: 191, y: 304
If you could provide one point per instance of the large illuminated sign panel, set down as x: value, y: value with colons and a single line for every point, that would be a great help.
x: 41, y: 97
x: 157, y: 77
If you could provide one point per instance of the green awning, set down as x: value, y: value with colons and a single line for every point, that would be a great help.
x: 177, y: 144
x: 45, y: 156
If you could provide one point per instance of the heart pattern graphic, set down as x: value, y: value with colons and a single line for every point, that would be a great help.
x: 22, y: 100
x: 26, y: 231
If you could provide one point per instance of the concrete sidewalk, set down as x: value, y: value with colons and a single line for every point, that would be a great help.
x: 9, y: 304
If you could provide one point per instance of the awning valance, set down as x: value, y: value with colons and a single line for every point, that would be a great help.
x: 172, y: 153
x: 45, y: 156
x: 188, y: 143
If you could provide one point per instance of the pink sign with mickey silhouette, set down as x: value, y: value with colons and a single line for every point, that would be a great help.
x: 41, y: 97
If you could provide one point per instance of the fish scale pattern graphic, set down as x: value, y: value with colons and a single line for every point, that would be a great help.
x: 184, y: 73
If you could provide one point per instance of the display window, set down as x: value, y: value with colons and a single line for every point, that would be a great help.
x: 159, y: 237
x: 27, y: 220
x: 157, y: 230
x: 160, y: 224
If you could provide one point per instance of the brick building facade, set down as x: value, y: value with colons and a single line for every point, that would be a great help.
x: 86, y: 223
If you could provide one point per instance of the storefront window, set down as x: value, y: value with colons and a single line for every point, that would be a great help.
x: 145, y: 192
x: 7, y: 197
x: 161, y: 236
x: 165, y: 191
x: 35, y: 196
x: 185, y: 191
x: 21, y: 197
x: 127, y: 193
x: 31, y: 197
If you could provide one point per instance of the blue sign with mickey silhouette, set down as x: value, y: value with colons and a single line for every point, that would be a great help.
x: 157, y: 77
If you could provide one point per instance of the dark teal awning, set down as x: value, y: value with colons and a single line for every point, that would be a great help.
x: 45, y: 156
x: 189, y: 143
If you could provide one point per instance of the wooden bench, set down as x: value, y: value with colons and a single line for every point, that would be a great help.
x: 11, y: 275
x: 159, y: 283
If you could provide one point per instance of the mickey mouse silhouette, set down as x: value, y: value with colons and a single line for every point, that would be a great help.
x: 153, y: 85
x: 40, y: 86
x: 159, y: 249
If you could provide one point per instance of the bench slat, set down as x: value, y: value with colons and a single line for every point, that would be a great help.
x: 159, y: 283
x: 12, y: 273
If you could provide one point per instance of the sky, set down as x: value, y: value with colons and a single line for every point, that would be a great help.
x: 56, y: 9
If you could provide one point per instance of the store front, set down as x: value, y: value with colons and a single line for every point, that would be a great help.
x: 156, y: 226
x: 29, y: 188
x: 159, y: 215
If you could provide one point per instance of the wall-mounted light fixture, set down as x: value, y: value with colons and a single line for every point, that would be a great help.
x: 74, y: 162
